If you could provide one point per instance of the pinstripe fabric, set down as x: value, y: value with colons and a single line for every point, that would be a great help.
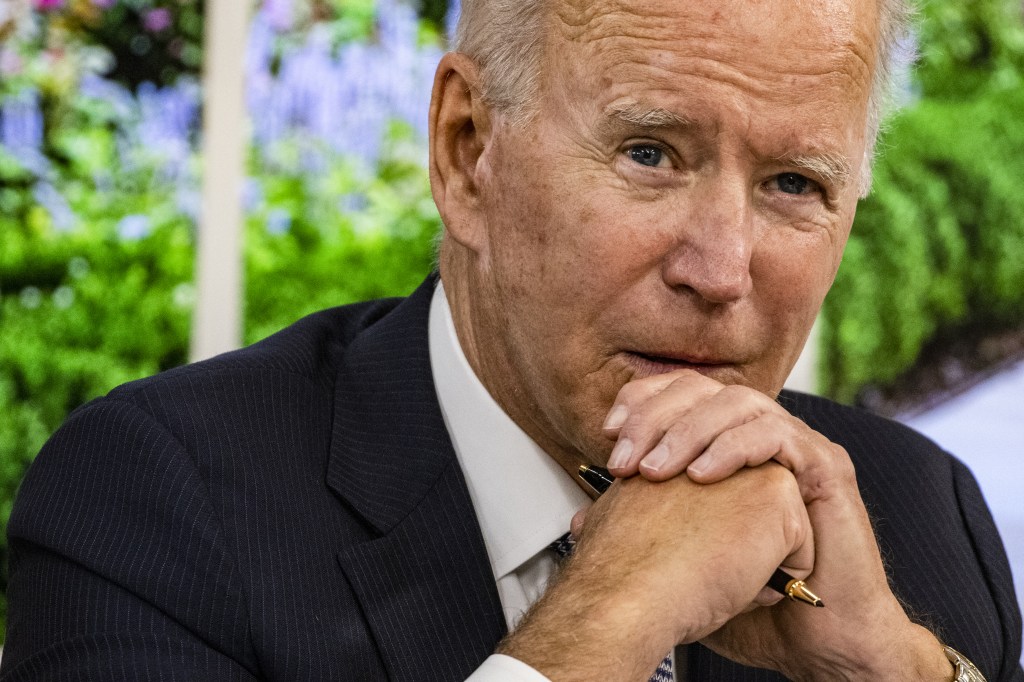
x: 294, y: 511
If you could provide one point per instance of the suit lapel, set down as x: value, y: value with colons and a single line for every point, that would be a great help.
x: 424, y: 582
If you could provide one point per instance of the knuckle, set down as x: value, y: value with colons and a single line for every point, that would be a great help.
x: 842, y: 463
x: 631, y: 393
x: 783, y: 484
x: 690, y: 380
x: 746, y: 398
x: 794, y: 526
x: 730, y: 445
x: 779, y: 422
x: 638, y: 426
x: 738, y: 395
x: 679, y: 433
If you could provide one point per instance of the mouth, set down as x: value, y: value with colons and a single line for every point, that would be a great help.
x: 646, y: 364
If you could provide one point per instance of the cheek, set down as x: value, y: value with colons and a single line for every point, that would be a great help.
x: 551, y: 244
x: 792, y: 272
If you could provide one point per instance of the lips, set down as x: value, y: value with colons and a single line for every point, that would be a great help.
x: 649, y: 364
x: 680, y: 358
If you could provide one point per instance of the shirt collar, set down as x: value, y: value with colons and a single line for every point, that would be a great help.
x: 522, y: 497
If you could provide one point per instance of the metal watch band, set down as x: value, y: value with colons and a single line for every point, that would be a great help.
x: 964, y: 670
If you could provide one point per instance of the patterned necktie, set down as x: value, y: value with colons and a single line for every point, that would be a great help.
x: 564, y: 547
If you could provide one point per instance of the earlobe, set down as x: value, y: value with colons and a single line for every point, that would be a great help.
x: 460, y: 124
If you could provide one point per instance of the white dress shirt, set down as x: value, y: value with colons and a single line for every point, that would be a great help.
x: 523, y: 499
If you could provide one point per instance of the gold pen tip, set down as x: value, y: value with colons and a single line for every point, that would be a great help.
x: 797, y: 590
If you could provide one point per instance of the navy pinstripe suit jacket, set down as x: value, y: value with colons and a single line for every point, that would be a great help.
x: 295, y: 511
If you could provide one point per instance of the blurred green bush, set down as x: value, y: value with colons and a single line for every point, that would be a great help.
x: 939, y: 244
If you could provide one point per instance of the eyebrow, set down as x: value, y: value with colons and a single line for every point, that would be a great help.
x: 636, y: 114
x: 831, y: 167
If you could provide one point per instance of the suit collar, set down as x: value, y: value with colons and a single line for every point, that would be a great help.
x: 389, y: 444
x: 424, y: 582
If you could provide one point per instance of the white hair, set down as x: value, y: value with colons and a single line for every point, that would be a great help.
x: 505, y: 38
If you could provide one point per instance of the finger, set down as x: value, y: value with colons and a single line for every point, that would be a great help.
x: 800, y: 562
x: 629, y: 396
x: 634, y: 394
x: 576, y: 525
x: 818, y: 464
x: 766, y: 597
x: 748, y: 444
x: 692, y: 431
x: 651, y: 415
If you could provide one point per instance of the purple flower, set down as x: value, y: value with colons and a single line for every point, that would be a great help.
x: 10, y: 62
x: 353, y: 202
x: 252, y: 194
x: 133, y: 227
x: 21, y: 122
x: 345, y: 96
x: 103, y: 4
x: 451, y: 19
x: 167, y: 119
x: 279, y: 221
x: 156, y: 20
x: 50, y: 198
x: 48, y: 5
x: 279, y: 13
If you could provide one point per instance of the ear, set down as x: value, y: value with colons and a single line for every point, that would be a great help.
x: 460, y: 127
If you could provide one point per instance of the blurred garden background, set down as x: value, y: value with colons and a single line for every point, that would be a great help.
x: 100, y: 171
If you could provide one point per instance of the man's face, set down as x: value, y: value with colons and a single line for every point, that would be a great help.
x: 681, y: 199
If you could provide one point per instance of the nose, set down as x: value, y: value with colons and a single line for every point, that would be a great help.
x: 712, y: 256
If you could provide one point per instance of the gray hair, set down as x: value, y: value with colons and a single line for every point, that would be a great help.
x: 505, y: 38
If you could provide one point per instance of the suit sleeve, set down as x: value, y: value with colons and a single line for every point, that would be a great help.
x: 119, y: 565
x: 995, y: 568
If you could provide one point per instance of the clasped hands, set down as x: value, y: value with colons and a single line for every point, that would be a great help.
x: 664, y: 558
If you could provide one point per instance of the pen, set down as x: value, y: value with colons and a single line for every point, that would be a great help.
x: 599, y: 479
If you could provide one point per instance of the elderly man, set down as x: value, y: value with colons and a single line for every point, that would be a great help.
x: 645, y: 204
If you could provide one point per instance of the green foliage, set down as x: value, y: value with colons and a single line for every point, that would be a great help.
x: 435, y: 12
x: 150, y: 40
x: 968, y: 48
x: 938, y: 244
x: 349, y: 238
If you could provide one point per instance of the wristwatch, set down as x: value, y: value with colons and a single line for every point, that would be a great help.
x: 963, y: 669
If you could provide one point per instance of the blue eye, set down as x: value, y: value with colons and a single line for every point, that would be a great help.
x: 793, y: 183
x: 646, y: 155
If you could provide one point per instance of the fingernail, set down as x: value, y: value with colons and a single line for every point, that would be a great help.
x: 617, y: 417
x: 656, y: 457
x: 700, y: 465
x: 620, y: 454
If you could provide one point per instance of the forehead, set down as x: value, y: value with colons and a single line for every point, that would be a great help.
x: 793, y: 53
x: 842, y: 29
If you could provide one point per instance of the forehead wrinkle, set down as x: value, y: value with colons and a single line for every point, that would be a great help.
x: 613, y: 32
x: 586, y: 20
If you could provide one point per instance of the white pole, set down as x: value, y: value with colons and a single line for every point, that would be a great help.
x: 804, y: 376
x: 217, y: 321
